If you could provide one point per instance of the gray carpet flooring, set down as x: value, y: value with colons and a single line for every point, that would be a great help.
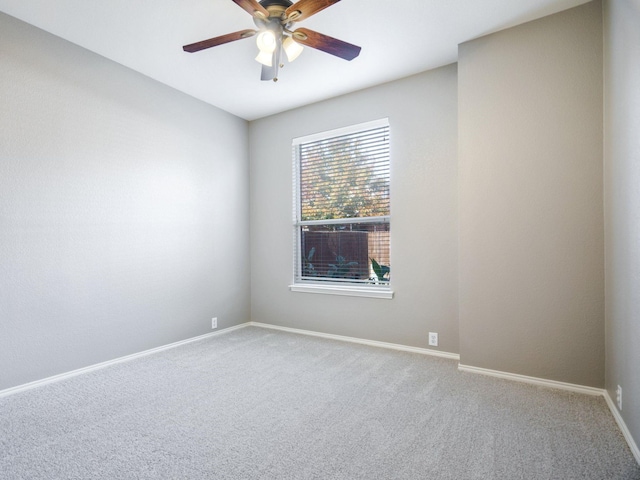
x: 263, y: 404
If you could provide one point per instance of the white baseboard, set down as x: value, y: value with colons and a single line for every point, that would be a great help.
x: 97, y: 366
x: 571, y: 387
x: 623, y: 426
x: 372, y: 343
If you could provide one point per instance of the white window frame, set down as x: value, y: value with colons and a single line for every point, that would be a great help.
x: 383, y: 291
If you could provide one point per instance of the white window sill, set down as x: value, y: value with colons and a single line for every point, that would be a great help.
x: 350, y: 291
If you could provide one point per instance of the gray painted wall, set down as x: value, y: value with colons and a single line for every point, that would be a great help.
x: 123, y: 210
x: 531, y: 214
x: 622, y: 205
x: 422, y: 112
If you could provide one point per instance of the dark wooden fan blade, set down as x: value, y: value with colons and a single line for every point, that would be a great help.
x: 326, y: 43
x: 253, y: 7
x: 305, y: 8
x: 213, y: 42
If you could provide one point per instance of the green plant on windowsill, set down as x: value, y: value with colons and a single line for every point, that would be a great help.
x: 381, y: 271
x: 341, y: 268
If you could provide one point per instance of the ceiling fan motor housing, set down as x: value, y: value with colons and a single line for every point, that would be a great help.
x: 283, y: 3
x: 276, y: 20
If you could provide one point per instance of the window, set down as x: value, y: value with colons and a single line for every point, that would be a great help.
x: 342, y: 220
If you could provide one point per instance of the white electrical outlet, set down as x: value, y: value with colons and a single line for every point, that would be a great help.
x: 433, y: 339
x: 619, y: 397
x: 214, y: 322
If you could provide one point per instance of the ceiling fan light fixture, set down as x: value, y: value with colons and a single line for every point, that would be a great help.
x: 292, y: 48
x: 266, y: 41
x: 265, y: 58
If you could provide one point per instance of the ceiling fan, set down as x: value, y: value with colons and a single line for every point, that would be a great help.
x: 275, y: 19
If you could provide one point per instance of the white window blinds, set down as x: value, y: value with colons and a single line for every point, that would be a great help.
x: 342, y: 206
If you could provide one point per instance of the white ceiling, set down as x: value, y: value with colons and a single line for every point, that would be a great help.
x: 398, y: 38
